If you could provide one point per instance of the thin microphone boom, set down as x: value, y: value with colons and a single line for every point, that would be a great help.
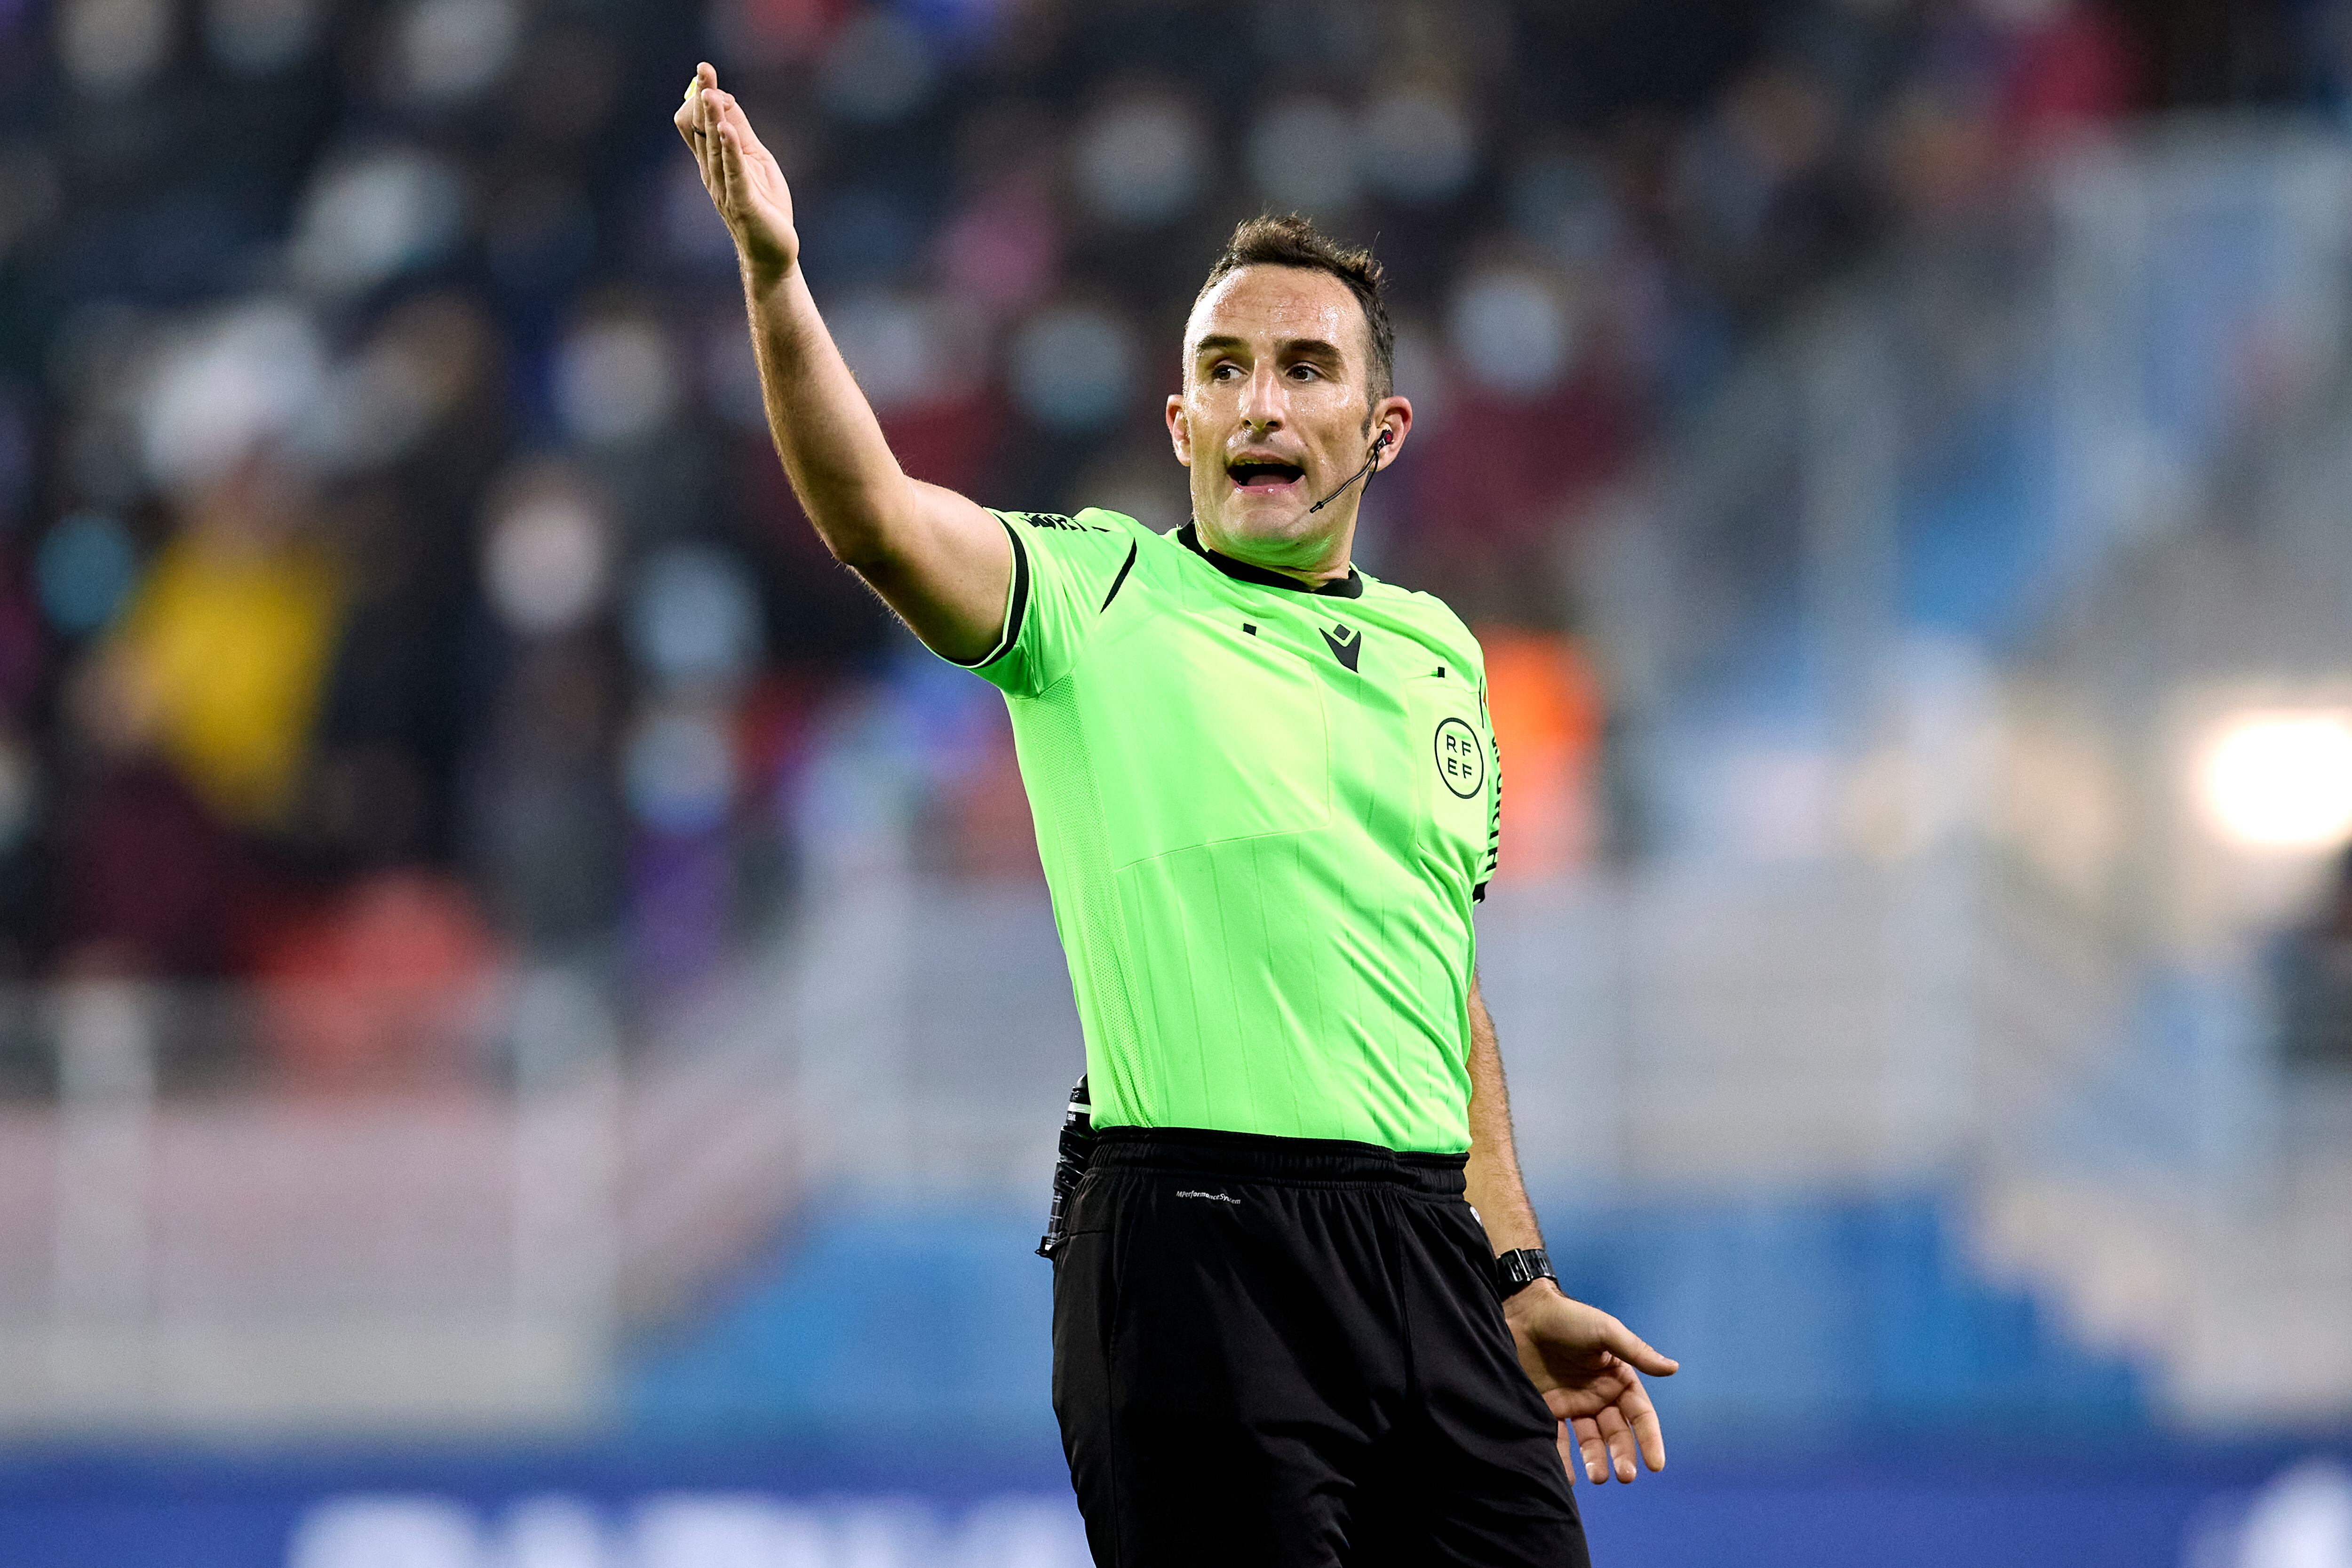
x: 1351, y: 479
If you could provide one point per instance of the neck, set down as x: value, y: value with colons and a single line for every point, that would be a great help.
x: 1328, y: 564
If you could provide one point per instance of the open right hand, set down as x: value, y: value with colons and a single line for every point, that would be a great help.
x: 1588, y: 1365
x: 745, y: 184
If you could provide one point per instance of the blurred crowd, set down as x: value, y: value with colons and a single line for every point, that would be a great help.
x: 394, y: 577
x: 2311, y: 973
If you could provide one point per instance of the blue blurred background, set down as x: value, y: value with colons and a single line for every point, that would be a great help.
x: 530, y: 1032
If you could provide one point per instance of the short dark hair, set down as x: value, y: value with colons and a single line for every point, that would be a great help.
x: 1293, y: 240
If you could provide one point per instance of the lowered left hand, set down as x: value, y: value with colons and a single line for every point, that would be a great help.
x: 1588, y: 1366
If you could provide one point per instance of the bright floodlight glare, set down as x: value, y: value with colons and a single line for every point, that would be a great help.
x: 2282, y: 780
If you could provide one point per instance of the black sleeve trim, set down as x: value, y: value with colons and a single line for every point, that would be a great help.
x: 1015, y: 610
x: 1494, y: 812
x: 1120, y: 581
x: 1019, y: 613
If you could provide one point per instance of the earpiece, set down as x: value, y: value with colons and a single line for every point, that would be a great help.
x: 1372, y: 461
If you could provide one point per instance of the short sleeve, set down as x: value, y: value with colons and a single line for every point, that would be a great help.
x: 1066, y: 572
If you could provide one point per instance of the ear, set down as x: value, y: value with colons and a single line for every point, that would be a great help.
x: 1393, y: 415
x: 1180, y: 430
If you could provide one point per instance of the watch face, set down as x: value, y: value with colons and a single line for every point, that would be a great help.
x: 1522, y: 1267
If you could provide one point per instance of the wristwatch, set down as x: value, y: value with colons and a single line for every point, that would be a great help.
x: 1521, y: 1267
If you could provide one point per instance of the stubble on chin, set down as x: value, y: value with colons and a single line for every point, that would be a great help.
x: 1296, y: 543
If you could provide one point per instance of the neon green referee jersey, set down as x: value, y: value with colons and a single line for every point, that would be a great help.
x: 1264, y: 811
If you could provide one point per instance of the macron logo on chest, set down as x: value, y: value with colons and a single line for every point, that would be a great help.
x: 1345, y: 643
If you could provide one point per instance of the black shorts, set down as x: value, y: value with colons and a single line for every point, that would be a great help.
x: 1290, y: 1352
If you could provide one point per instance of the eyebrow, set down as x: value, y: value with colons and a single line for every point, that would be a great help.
x: 1313, y: 346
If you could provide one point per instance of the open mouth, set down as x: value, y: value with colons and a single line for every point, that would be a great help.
x: 1263, y: 476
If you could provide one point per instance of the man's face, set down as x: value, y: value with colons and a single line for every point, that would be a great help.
x: 1275, y: 414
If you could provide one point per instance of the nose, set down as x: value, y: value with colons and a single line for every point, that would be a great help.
x: 1262, y: 404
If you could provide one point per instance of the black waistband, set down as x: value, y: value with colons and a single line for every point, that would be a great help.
x: 1253, y: 1157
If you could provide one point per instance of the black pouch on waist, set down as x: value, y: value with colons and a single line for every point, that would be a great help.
x: 1078, y: 1145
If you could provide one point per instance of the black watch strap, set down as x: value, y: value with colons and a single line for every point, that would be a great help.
x: 1521, y: 1267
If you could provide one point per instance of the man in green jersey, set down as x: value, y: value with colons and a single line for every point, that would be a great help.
x: 1302, y: 1314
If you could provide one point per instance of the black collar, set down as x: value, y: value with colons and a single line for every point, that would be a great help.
x: 1351, y: 586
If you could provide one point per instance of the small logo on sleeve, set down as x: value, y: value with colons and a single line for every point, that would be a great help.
x: 1461, y: 760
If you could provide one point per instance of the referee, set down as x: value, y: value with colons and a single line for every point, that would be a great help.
x: 1301, y: 1310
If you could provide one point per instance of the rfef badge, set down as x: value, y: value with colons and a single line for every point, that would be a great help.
x: 1461, y: 760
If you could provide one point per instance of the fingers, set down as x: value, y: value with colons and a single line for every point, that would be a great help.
x: 727, y: 172
x: 1629, y: 1347
x: 733, y: 161
x: 1651, y: 1440
x: 696, y: 111
x: 717, y: 119
x: 1564, y: 1439
x: 714, y: 152
x: 1619, y: 1439
x: 1634, y: 1404
x: 686, y: 118
x: 1594, y: 1451
x: 728, y: 110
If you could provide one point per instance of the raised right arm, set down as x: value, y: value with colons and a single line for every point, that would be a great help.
x: 938, y: 560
